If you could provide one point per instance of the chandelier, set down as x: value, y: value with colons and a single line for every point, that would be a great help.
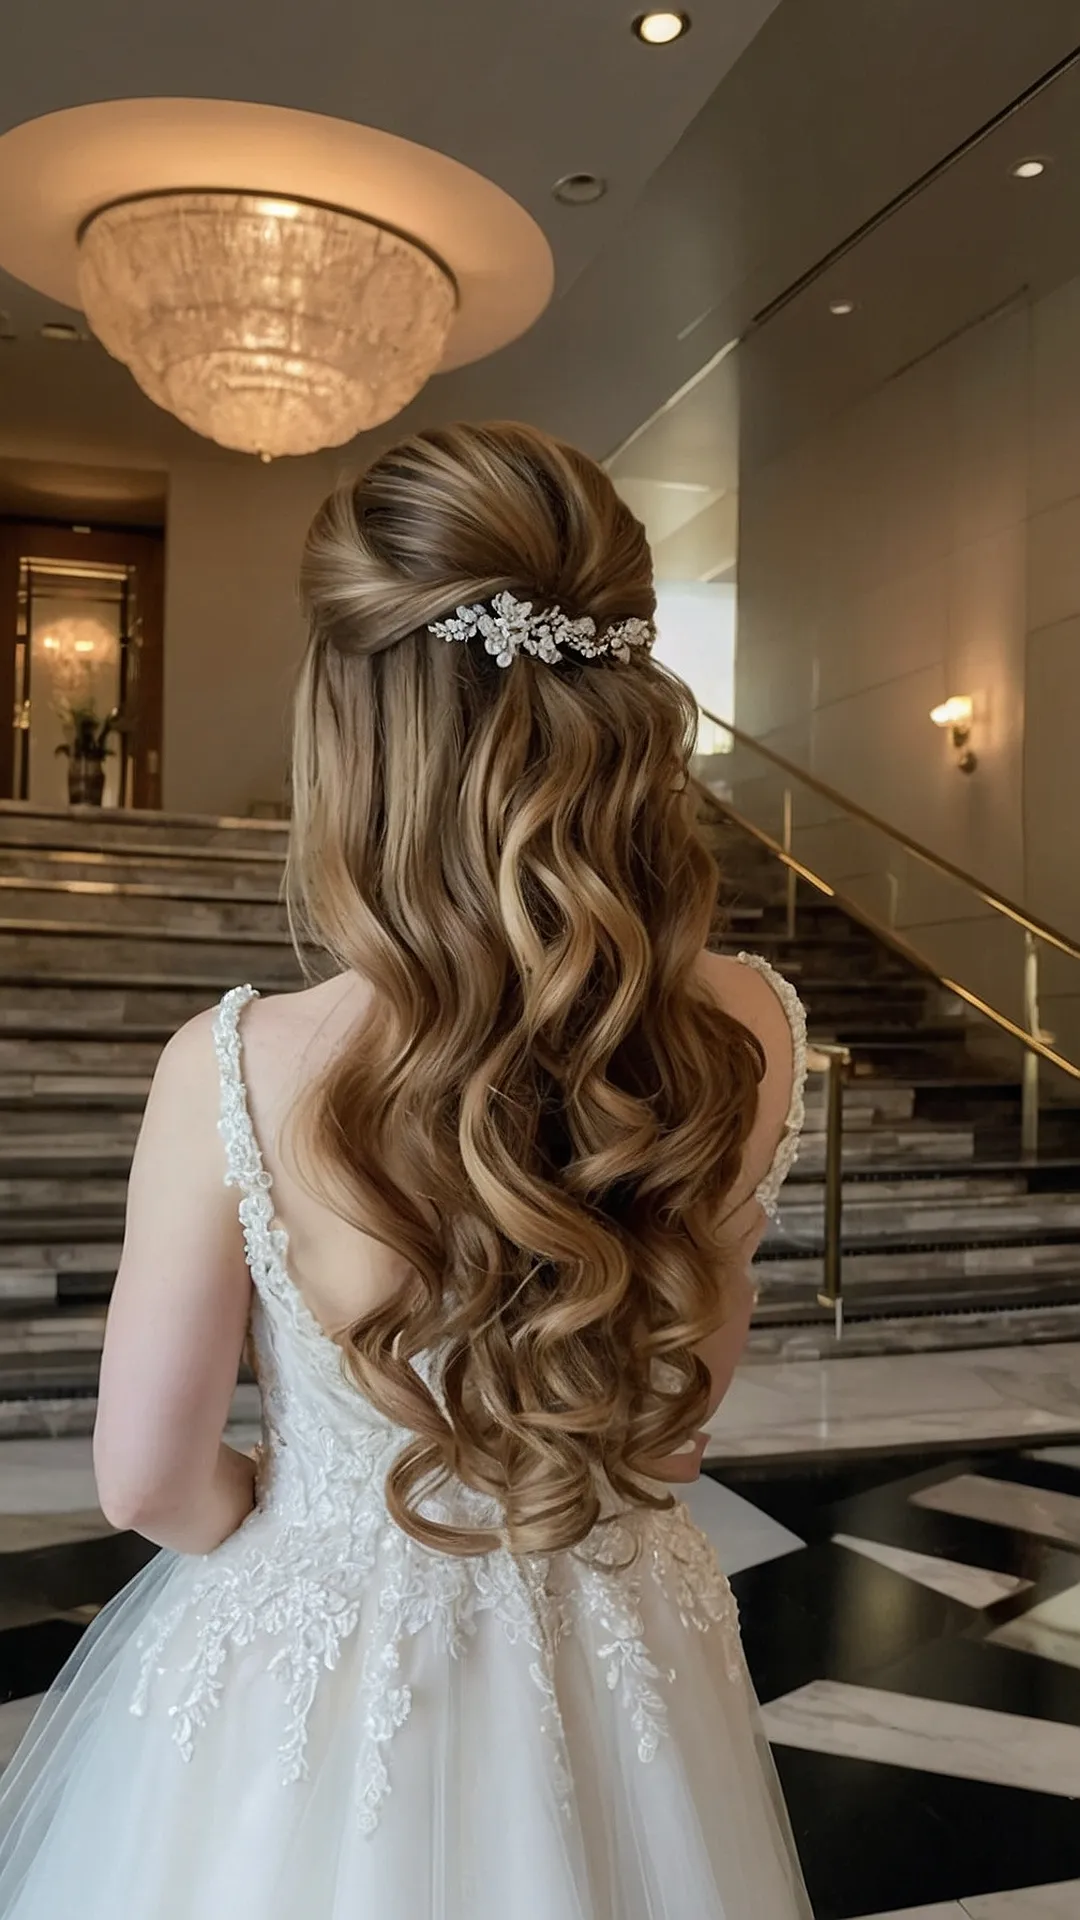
x: 273, y: 326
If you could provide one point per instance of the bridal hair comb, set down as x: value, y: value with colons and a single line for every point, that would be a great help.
x: 509, y: 627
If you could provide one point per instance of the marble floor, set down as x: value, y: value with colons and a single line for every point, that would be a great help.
x: 911, y: 1617
x: 787, y: 1409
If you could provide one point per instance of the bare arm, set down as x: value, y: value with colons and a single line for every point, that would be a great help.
x: 177, y: 1322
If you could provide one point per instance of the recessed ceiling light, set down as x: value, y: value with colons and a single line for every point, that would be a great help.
x: 59, y: 330
x: 660, y: 29
x: 579, y: 189
x: 1028, y: 169
x: 842, y: 306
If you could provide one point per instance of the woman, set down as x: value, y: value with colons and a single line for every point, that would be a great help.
x: 447, y: 1649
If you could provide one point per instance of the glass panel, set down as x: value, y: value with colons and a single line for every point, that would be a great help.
x: 943, y: 920
x: 76, y: 618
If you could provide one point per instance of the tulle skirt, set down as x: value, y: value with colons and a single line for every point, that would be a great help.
x: 102, y: 1817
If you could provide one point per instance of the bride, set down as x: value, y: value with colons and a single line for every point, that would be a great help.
x: 446, y: 1648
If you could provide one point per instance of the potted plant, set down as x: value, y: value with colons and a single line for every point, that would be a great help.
x: 87, y: 749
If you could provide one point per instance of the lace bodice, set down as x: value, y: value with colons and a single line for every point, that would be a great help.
x: 320, y: 1544
x: 768, y: 1193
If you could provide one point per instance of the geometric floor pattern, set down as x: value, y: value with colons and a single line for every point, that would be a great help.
x: 918, y: 1662
x: 912, y: 1626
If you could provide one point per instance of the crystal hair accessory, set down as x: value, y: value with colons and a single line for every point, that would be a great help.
x: 509, y: 627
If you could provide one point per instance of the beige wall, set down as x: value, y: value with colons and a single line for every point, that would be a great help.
x: 232, y: 627
x: 233, y: 633
x: 923, y: 543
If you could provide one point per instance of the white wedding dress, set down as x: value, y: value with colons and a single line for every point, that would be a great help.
x: 324, y: 1720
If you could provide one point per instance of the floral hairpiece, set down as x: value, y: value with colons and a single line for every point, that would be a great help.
x: 509, y: 627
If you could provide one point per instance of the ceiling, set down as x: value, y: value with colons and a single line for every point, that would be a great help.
x: 973, y: 242
x: 737, y: 160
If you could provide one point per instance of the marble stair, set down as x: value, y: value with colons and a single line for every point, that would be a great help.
x: 951, y: 1237
x: 115, y: 928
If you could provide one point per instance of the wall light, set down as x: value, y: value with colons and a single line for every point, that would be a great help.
x: 660, y: 29
x: 1028, y: 169
x: 842, y: 306
x: 955, y: 715
x: 84, y: 646
x: 51, y: 643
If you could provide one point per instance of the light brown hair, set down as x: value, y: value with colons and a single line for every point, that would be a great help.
x: 545, y: 1110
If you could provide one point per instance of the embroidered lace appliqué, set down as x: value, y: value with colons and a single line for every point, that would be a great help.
x: 320, y: 1552
x: 768, y: 1193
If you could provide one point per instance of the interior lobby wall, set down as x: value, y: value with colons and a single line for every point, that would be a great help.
x: 233, y: 632
x: 922, y: 543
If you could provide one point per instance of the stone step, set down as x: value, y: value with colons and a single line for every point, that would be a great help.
x: 41, y: 1268
x: 66, y: 1003
x: 984, y: 1217
x: 53, y: 1055
x: 191, y: 876
x: 936, y: 1330
x: 61, y: 1193
x: 933, y: 1265
x: 96, y: 948
x: 21, y: 1090
x: 864, y: 1104
x: 47, y: 1130
x: 47, y: 1414
x: 908, y: 1144
x: 143, y: 832
x: 29, y: 1335
x: 31, y: 904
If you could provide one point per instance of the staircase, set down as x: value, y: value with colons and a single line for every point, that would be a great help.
x: 115, y: 928
x: 950, y: 1236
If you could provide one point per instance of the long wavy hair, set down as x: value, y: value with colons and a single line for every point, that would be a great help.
x: 545, y: 1110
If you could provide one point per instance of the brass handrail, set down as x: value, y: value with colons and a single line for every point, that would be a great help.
x: 834, y: 1060
x: 895, y: 940
x: 998, y: 901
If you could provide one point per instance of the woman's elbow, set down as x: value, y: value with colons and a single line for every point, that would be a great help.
x: 131, y: 1499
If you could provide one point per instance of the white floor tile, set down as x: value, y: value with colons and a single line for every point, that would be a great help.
x: 1057, y: 1456
x: 934, y: 1736
x: 951, y: 1910
x: 742, y: 1535
x: 1007, y: 1503
x: 1059, y: 1902
x: 1051, y: 1630
x: 977, y: 1587
x: 810, y: 1406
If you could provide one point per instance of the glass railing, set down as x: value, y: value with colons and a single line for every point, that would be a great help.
x: 1013, y: 980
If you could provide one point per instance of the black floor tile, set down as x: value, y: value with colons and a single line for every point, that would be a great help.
x: 875, y: 1838
x: 979, y: 1673
x: 829, y: 1614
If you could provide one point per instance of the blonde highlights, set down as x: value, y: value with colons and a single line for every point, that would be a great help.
x: 544, y: 1112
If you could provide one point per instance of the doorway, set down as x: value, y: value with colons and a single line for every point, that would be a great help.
x: 81, y: 617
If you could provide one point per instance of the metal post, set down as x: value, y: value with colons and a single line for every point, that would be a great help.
x: 1029, y: 1085
x: 835, y: 1061
x: 792, y: 876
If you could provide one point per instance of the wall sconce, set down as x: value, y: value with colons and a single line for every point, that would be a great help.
x: 955, y: 714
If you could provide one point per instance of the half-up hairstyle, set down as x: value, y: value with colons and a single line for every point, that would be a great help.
x: 545, y: 1110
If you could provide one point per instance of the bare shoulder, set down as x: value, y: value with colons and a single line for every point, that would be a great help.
x: 751, y: 997
x: 297, y: 1020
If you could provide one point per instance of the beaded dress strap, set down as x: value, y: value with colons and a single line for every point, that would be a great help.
x: 768, y: 1193
x: 244, y: 1162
